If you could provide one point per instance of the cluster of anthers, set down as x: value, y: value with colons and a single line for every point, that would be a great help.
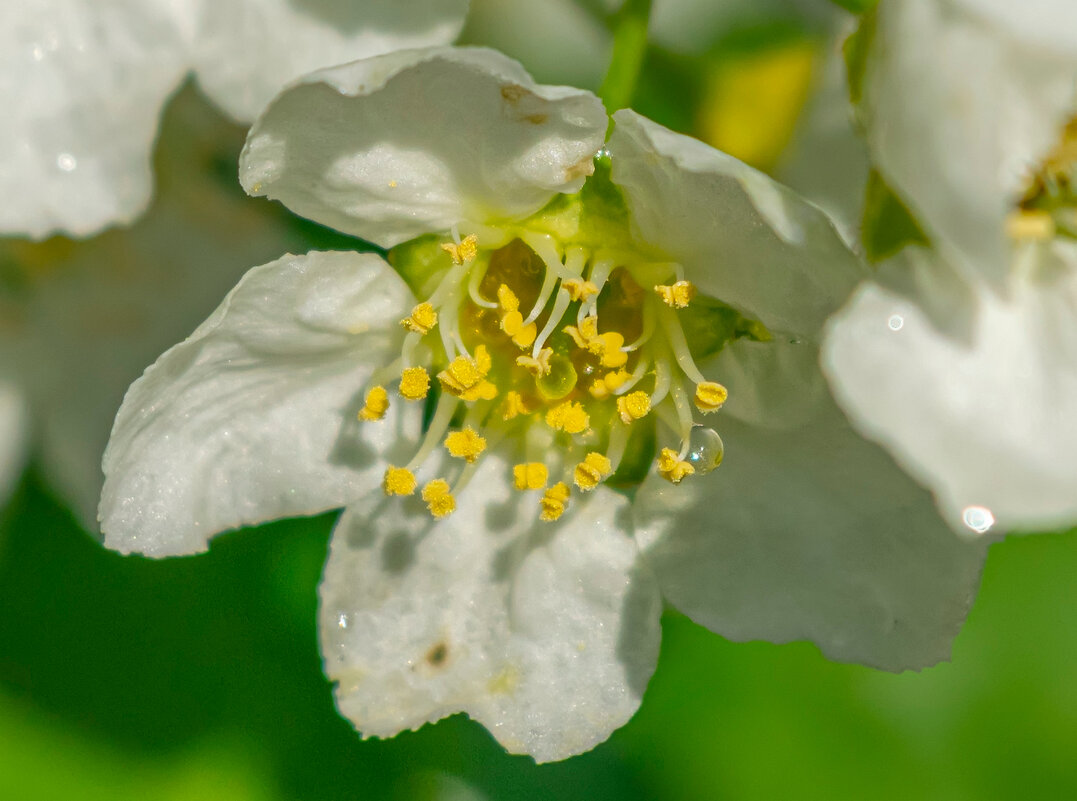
x: 567, y: 377
x: 1048, y: 206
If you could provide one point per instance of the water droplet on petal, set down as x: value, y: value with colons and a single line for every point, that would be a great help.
x: 978, y: 518
x: 66, y: 162
x: 895, y: 322
x: 342, y: 621
x: 705, y: 449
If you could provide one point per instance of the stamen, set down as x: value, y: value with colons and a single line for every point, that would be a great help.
x: 675, y: 337
x: 465, y: 377
x: 617, y: 445
x: 672, y: 467
x: 439, y: 424
x: 463, y: 252
x: 438, y: 499
x: 375, y: 405
x: 474, y: 280
x: 538, y: 365
x: 579, y: 289
x: 661, y: 381
x: 529, y: 476
x: 647, y: 332
x: 600, y: 271
x: 589, y: 473
x: 643, y: 366
x: 633, y: 406
x: 559, y: 307
x: 398, y: 481
x: 684, y: 414
x: 466, y: 444
x: 414, y: 383
x: 513, y: 406
x: 422, y: 319
x: 543, y: 245
x: 554, y: 501
x: 710, y: 395
x: 569, y: 417
x: 1035, y: 225
x: 678, y: 295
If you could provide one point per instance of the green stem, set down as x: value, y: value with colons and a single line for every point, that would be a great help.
x: 629, y: 48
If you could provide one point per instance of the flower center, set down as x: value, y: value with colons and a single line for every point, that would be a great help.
x: 1048, y: 206
x: 567, y: 350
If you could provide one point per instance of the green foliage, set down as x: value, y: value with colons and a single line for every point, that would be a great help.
x: 856, y: 6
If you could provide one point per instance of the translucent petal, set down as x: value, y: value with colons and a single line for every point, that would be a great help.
x: 809, y: 532
x: 245, y: 51
x: 417, y: 141
x: 254, y: 417
x: 82, y: 85
x: 545, y: 633
x: 974, y: 394
x: 741, y: 237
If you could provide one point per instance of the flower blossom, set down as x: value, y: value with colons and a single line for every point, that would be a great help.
x: 521, y: 416
x: 79, y: 320
x: 83, y: 84
x: 961, y: 358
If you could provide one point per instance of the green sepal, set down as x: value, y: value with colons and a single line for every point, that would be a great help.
x: 887, y: 225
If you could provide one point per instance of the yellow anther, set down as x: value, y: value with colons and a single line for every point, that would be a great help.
x: 484, y: 390
x: 529, y: 476
x: 507, y: 300
x: 554, y: 501
x: 414, y: 383
x: 591, y: 471
x: 438, y: 499
x: 586, y: 335
x: 375, y: 404
x: 465, y: 377
x: 602, y: 388
x: 464, y: 252
x: 466, y: 444
x: 422, y: 319
x: 482, y: 360
x: 1034, y: 225
x: 677, y: 295
x: 612, y: 355
x: 578, y: 289
x: 512, y: 323
x: 513, y: 406
x: 633, y: 406
x: 672, y: 468
x: 710, y: 396
x: 398, y: 481
x: 598, y: 389
x: 538, y: 366
x: 569, y: 417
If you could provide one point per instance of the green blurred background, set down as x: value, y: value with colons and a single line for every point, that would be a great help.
x: 199, y: 678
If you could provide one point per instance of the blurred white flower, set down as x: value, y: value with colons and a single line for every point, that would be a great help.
x: 83, y: 83
x: 552, y: 318
x: 962, y: 358
x: 79, y: 320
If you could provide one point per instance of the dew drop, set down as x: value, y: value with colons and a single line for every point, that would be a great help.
x: 66, y: 162
x: 895, y: 322
x: 705, y: 449
x: 978, y: 519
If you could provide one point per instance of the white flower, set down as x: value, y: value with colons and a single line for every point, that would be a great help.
x: 517, y: 585
x: 962, y: 358
x: 82, y: 85
x: 79, y: 320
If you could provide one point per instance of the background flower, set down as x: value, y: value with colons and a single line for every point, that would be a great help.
x: 960, y: 358
x: 83, y: 85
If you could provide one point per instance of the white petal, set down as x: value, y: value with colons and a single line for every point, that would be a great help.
x: 418, y: 141
x: 827, y: 160
x: 958, y: 110
x: 1051, y: 23
x: 82, y: 85
x: 254, y: 416
x: 544, y: 633
x: 246, y: 50
x: 14, y: 431
x: 974, y: 395
x: 742, y: 237
x: 810, y: 533
x: 94, y: 313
